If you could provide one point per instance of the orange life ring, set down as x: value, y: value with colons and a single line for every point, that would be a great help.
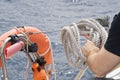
x: 41, y: 40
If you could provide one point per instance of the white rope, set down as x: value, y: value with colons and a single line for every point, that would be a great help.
x: 70, y: 37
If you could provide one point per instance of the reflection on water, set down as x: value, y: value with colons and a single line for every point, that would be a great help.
x: 72, y: 1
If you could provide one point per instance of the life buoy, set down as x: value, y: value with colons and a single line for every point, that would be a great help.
x: 41, y: 39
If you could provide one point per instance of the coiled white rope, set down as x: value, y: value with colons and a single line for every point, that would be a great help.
x: 70, y: 37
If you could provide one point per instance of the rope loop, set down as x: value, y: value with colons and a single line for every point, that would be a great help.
x: 71, y: 38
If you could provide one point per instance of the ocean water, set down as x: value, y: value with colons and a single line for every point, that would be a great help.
x: 50, y: 16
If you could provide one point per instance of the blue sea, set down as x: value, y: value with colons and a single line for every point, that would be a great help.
x: 50, y: 16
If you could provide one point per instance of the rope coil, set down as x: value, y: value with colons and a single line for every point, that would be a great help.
x: 70, y: 38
